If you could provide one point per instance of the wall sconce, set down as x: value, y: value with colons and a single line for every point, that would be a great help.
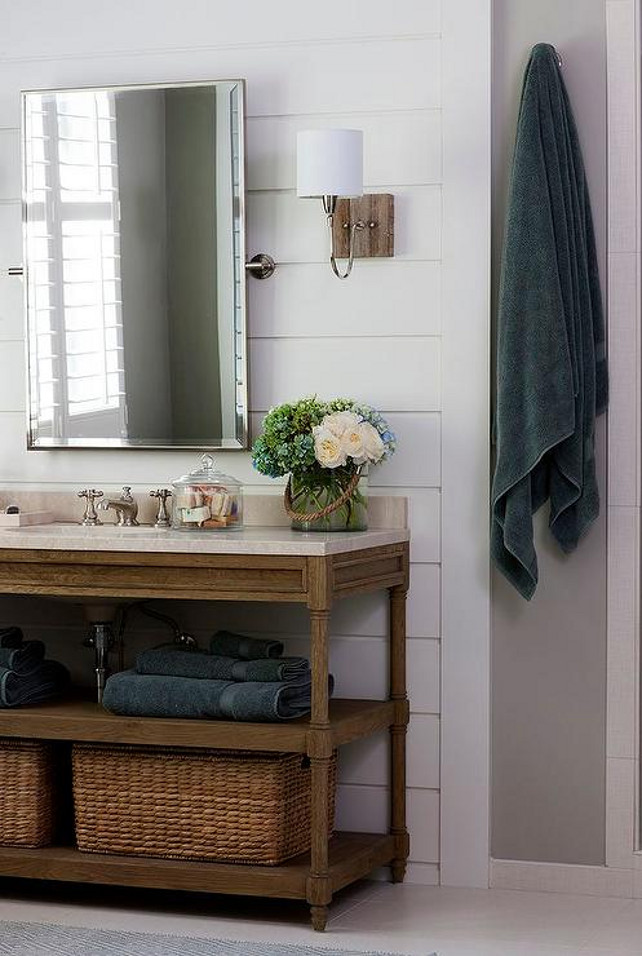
x: 330, y: 168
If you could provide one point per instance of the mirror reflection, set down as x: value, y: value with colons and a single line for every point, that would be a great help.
x: 134, y: 242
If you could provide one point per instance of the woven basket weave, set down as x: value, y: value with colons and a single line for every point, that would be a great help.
x: 26, y: 793
x: 198, y: 805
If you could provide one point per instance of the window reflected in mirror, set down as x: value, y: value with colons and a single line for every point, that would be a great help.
x: 134, y: 242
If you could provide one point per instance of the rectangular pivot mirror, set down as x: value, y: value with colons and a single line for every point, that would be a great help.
x: 134, y: 221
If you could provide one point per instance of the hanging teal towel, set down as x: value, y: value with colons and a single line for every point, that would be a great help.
x: 551, y: 364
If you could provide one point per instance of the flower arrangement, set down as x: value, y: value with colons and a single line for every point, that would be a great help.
x: 323, y: 447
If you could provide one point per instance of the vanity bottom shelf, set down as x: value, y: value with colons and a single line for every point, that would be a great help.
x: 351, y: 856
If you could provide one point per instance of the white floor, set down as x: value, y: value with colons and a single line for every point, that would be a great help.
x: 409, y: 919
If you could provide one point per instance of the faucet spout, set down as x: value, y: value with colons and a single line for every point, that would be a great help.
x: 125, y: 507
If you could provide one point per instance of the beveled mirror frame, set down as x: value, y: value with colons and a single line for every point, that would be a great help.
x: 242, y: 440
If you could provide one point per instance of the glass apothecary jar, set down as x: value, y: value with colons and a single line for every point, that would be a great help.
x: 207, y: 500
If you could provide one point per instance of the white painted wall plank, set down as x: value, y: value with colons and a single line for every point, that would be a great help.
x: 417, y: 460
x: 285, y: 369
x: 423, y: 752
x: 11, y: 290
x: 294, y: 230
x: 9, y: 164
x: 39, y: 27
x: 12, y: 379
x: 424, y: 676
x: 366, y: 809
x: 382, y: 295
x: 424, y: 518
x: 365, y: 762
x: 10, y: 234
x: 400, y: 148
x: 312, y: 77
x: 362, y: 809
x: 423, y: 824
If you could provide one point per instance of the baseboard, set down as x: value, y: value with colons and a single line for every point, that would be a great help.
x: 426, y: 874
x: 561, y: 878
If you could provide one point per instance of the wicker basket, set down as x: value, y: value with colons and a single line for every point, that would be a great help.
x: 193, y: 804
x: 26, y: 793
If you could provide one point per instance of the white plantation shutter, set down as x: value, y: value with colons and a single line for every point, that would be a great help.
x: 74, y: 256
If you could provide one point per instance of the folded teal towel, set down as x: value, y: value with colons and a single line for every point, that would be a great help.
x: 150, y: 695
x: 24, y: 658
x: 178, y: 663
x: 10, y: 636
x: 245, y: 648
x: 48, y: 680
x: 551, y: 365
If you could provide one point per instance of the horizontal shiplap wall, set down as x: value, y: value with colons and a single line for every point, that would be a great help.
x: 376, y: 336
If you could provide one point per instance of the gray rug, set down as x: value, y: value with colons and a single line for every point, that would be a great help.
x: 40, y: 939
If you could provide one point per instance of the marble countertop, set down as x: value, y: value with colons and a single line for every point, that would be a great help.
x: 253, y: 540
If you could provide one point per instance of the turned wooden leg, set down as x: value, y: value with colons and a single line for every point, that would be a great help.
x: 319, y: 887
x: 398, y: 731
x: 398, y: 870
x: 319, y: 917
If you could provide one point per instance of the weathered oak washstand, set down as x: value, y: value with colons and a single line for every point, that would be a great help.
x: 257, y: 564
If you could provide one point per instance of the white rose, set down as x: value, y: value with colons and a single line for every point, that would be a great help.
x: 339, y: 422
x: 352, y: 443
x: 328, y: 449
x: 373, y: 446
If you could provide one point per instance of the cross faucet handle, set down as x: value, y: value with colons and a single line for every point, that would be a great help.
x: 90, y: 517
x: 162, y: 518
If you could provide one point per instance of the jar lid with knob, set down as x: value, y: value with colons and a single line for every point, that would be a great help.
x: 206, y: 499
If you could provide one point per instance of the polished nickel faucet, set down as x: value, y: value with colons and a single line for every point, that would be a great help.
x: 91, y: 495
x: 162, y: 518
x: 125, y: 507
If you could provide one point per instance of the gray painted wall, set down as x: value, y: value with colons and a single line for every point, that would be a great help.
x: 549, y: 656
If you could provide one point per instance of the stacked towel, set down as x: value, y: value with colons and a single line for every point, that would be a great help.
x: 49, y: 679
x: 244, y: 648
x: 155, y: 695
x: 242, y: 678
x: 174, y: 662
x: 10, y: 636
x: 25, y: 677
x: 24, y: 658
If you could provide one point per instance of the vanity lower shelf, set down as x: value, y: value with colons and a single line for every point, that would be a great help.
x: 351, y: 856
x: 85, y: 721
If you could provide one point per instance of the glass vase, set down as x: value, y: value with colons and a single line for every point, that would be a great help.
x: 350, y: 516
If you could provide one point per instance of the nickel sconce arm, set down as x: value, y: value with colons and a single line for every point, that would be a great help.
x: 329, y: 206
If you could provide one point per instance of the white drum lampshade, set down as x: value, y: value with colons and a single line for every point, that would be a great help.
x: 329, y: 163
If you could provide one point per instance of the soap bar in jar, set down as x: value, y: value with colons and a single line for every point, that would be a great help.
x: 206, y: 500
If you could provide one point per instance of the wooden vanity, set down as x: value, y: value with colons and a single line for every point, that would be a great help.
x: 261, y: 565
